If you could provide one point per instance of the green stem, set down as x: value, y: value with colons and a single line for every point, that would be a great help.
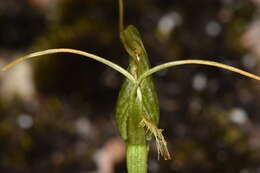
x: 137, y: 158
x: 121, y: 16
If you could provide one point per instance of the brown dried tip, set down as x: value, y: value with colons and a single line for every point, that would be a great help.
x: 161, y: 143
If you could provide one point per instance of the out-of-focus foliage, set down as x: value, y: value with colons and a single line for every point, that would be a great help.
x: 210, y: 116
x: 20, y: 24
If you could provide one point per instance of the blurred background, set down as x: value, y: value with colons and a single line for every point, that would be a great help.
x: 57, y: 113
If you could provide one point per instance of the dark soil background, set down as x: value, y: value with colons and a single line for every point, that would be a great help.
x: 57, y: 113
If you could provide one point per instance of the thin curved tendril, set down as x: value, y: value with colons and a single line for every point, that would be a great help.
x: 73, y: 51
x: 201, y: 62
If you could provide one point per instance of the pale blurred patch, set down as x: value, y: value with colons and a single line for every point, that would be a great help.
x: 238, y: 116
x: 213, y: 28
x: 167, y: 24
x: 251, y: 38
x: 24, y: 121
x: 18, y: 83
x: 199, y: 82
x: 112, y: 153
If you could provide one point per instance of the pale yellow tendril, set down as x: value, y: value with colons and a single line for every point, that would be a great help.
x: 73, y: 51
